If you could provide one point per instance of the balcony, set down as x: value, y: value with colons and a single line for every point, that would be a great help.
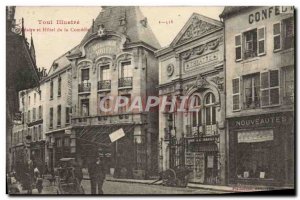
x: 104, y: 85
x: 125, y: 82
x: 84, y: 87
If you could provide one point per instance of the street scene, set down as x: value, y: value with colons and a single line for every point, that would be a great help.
x: 136, y: 100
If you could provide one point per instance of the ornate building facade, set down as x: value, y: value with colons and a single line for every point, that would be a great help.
x: 192, y: 67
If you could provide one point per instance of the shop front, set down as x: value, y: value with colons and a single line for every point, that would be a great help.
x: 37, y: 154
x: 261, y: 149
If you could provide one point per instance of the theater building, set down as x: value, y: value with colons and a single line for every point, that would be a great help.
x: 192, y: 66
x: 260, y: 94
x: 115, y: 58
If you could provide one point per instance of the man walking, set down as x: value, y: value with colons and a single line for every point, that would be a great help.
x: 97, y: 174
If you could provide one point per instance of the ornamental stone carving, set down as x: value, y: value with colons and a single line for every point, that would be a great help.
x: 197, y: 28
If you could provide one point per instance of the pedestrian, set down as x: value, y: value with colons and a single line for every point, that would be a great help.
x: 97, y: 174
x: 29, y: 176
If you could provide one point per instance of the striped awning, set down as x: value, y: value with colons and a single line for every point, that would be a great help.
x: 99, y: 134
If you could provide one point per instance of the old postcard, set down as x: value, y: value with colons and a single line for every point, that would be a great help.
x: 118, y: 100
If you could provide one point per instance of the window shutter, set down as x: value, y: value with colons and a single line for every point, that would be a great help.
x: 261, y: 41
x: 277, y: 36
x: 264, y: 80
x: 238, y: 47
x: 236, y: 94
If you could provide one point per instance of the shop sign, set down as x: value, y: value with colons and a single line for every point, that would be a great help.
x: 108, y: 47
x: 255, y: 136
x: 267, y: 13
x: 196, y: 160
x: 200, y: 61
x: 269, y: 120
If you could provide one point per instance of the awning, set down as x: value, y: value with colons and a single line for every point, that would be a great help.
x: 99, y: 134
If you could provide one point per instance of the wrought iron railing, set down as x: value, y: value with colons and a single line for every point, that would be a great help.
x: 105, y: 84
x: 125, y: 82
x: 84, y: 87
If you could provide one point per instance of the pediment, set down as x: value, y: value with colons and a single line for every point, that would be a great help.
x: 196, y: 27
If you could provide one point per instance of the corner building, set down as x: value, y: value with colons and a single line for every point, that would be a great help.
x: 192, y: 66
x: 115, y: 58
x: 260, y: 94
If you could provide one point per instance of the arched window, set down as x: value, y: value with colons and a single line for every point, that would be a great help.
x: 210, y: 109
x: 195, y: 104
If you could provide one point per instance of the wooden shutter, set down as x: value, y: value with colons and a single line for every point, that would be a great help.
x: 236, y: 94
x: 238, y: 47
x: 261, y: 41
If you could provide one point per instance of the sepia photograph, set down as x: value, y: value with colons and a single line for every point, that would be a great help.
x: 150, y: 100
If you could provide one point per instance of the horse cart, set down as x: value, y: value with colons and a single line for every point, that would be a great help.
x: 175, y: 177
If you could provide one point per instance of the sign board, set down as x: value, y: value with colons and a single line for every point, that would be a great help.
x: 114, y: 136
x: 255, y: 136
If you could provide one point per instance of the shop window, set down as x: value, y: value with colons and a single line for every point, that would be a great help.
x: 58, y: 115
x: 250, y: 40
x: 51, y: 118
x: 270, y: 88
x: 196, y: 113
x: 67, y: 115
x: 51, y: 89
x: 236, y: 94
x: 288, y: 33
x: 85, y: 107
x: 251, y: 91
x: 238, y: 47
x: 59, y: 87
x: 255, y: 155
x: 288, y: 80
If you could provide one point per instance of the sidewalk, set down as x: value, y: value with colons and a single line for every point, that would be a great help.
x: 222, y: 188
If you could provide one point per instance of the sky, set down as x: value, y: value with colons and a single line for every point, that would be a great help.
x: 49, y: 44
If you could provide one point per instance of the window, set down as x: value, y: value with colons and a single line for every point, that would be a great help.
x: 34, y: 114
x: 66, y: 141
x: 105, y: 73
x: 196, y: 118
x: 29, y: 100
x: 58, y: 115
x: 126, y: 69
x: 270, y: 88
x: 288, y: 84
x: 40, y: 112
x: 67, y: 115
x: 106, y: 105
x: 250, y: 50
x: 34, y: 133
x: 51, y: 118
x: 125, y: 107
x: 277, y: 36
x: 261, y: 41
x: 40, y: 132
x: 51, y: 89
x: 85, y: 107
x: 34, y: 98
x: 58, y: 142
x: 251, y: 91
x: 210, y: 109
x: 236, y: 94
x: 238, y: 47
x: 59, y: 87
x: 85, y: 75
x: 288, y: 33
x: 29, y: 116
